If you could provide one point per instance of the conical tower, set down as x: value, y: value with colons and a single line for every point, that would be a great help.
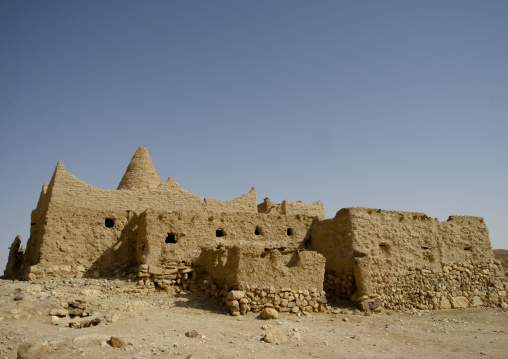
x: 141, y: 172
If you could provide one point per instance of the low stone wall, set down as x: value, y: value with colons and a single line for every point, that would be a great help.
x: 245, y: 298
x: 176, y: 275
x: 454, y: 285
x: 342, y: 285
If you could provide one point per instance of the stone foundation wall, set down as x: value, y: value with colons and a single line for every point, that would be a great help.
x: 454, y: 285
x: 175, y: 274
x: 342, y: 285
x: 244, y: 299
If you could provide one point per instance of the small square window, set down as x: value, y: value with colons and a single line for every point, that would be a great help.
x: 171, y: 238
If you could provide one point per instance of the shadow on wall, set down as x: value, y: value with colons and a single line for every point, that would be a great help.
x: 120, y: 258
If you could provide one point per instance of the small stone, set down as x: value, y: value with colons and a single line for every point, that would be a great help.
x: 81, y: 304
x: 460, y: 302
x: 75, y: 312
x: 269, y: 313
x: 192, y: 334
x: 235, y: 295
x: 33, y: 351
x: 117, y: 342
x: 363, y: 306
x: 476, y: 301
x: 275, y: 335
x: 59, y: 312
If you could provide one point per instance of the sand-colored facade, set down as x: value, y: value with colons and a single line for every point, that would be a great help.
x: 285, y: 255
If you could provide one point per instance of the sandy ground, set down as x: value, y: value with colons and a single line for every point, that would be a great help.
x: 155, y: 325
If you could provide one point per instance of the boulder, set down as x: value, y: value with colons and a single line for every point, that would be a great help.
x: 235, y: 295
x: 460, y: 302
x: 117, y: 342
x: 269, y: 313
x: 275, y: 335
x: 33, y: 351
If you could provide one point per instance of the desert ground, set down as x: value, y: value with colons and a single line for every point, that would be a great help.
x: 159, y: 324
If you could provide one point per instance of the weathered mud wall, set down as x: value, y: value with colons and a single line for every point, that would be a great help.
x: 334, y: 239
x: 101, y: 241
x: 399, y: 240
x: 245, y: 203
x: 316, y: 209
x: 180, y: 236
x: 249, y: 278
x: 380, y: 247
x: 269, y: 207
x: 66, y: 188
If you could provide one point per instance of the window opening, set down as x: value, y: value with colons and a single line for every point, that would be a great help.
x: 289, y: 232
x: 219, y: 233
x: 109, y: 223
x: 257, y: 232
x: 171, y: 238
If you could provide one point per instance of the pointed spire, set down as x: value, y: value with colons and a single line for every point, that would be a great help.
x: 141, y: 172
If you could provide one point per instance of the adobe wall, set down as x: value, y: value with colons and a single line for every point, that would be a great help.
x: 244, y: 203
x: 69, y: 220
x: 316, y: 209
x: 194, y: 230
x: 422, y: 255
x: 74, y: 241
x: 269, y: 207
x: 249, y: 278
x: 334, y: 239
x: 66, y: 188
x: 398, y: 240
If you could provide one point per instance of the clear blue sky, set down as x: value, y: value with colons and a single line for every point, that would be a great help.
x: 400, y: 105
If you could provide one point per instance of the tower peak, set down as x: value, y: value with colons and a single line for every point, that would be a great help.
x: 141, y: 172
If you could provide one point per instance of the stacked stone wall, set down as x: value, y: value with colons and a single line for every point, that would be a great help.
x: 172, y: 275
x: 342, y: 285
x: 454, y: 285
x: 244, y: 298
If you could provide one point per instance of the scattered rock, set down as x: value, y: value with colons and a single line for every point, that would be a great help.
x: 269, y: 313
x: 33, y: 351
x: 117, y: 342
x: 59, y: 312
x: 192, y: 334
x: 275, y: 335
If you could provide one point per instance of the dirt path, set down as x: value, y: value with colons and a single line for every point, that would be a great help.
x: 155, y: 325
